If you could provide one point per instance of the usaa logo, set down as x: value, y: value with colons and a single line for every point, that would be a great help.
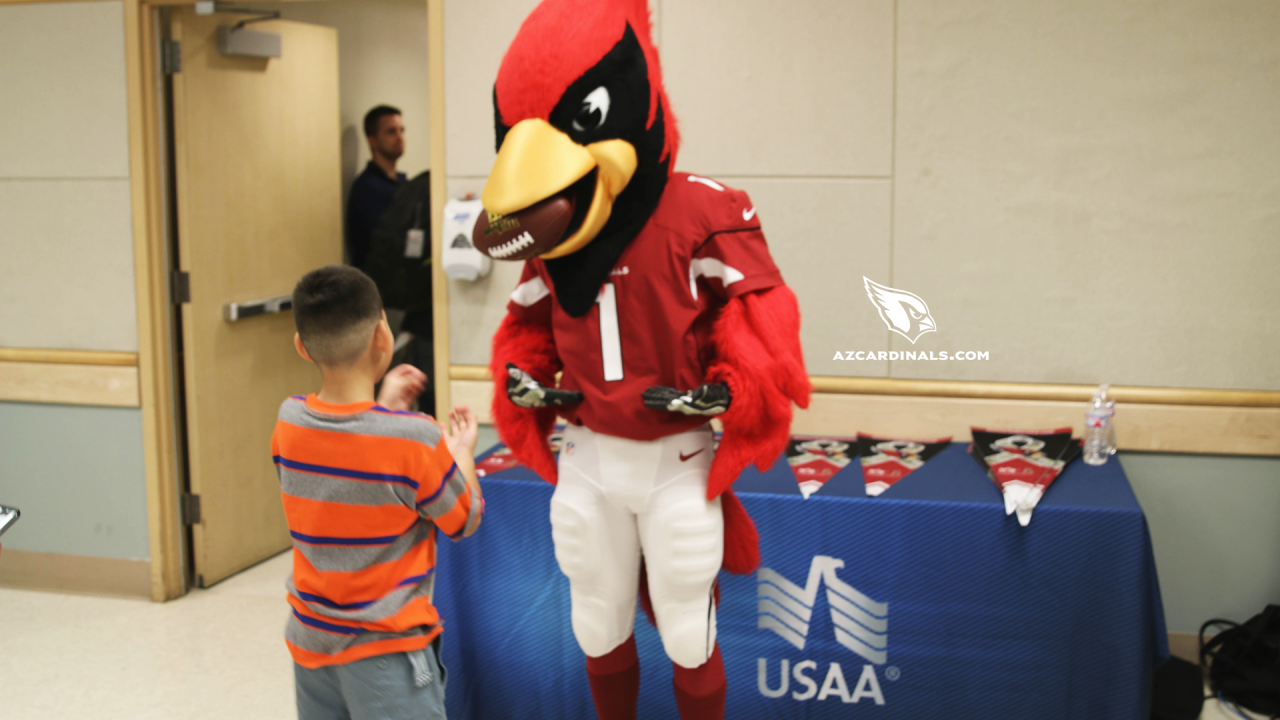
x: 861, y: 626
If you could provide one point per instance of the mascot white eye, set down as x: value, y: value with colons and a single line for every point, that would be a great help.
x: 595, y: 108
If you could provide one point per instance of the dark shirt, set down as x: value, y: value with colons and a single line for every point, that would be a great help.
x: 370, y: 197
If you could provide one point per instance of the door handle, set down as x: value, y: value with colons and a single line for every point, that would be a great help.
x: 233, y: 312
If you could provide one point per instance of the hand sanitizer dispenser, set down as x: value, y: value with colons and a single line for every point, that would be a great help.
x: 461, y: 259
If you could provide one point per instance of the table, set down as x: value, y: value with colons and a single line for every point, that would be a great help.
x: 947, y: 607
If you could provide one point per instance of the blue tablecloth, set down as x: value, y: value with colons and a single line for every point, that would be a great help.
x: 947, y: 607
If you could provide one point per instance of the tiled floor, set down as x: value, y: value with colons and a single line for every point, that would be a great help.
x: 215, y: 653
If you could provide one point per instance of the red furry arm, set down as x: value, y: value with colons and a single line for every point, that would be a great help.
x: 532, y: 348
x: 757, y: 344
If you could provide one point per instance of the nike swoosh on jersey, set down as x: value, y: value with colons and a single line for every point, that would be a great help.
x: 685, y: 458
x: 748, y: 214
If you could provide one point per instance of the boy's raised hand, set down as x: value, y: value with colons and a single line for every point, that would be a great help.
x: 401, y: 386
x: 462, y: 431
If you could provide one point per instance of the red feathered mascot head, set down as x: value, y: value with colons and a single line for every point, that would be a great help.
x: 579, y: 109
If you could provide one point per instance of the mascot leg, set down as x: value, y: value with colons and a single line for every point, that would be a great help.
x: 615, y: 682
x: 598, y: 548
x: 614, y: 498
x: 700, y: 692
x: 682, y: 536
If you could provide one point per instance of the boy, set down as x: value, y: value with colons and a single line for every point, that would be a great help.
x: 365, y: 487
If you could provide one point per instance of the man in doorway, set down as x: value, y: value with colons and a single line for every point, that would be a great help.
x: 373, y: 189
x: 383, y: 208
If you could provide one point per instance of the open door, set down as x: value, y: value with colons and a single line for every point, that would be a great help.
x: 256, y: 157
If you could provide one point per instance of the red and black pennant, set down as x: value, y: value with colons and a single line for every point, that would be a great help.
x: 885, y: 461
x: 1023, y: 463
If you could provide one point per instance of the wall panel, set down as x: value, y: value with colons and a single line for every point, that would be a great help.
x: 77, y: 474
x: 763, y: 88
x: 1213, y: 529
x: 67, y: 276
x: 825, y: 234
x: 476, y: 37
x: 1088, y: 190
x: 62, y: 80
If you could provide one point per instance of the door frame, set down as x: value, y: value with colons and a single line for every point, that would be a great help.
x: 156, y: 369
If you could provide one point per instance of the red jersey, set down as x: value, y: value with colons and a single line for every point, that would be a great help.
x: 652, y: 320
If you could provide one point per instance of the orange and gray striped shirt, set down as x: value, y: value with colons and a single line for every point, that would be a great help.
x: 364, y: 490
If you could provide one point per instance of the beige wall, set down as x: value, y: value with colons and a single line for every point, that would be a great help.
x: 1086, y: 191
x: 66, y: 245
x: 66, y: 282
x: 475, y: 309
x: 1128, y: 153
x: 382, y: 59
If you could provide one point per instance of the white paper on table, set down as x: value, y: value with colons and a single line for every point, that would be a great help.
x: 809, y: 487
x: 1021, y: 498
x: 875, y: 487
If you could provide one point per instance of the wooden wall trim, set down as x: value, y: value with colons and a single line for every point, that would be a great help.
x: 151, y: 288
x: 37, y: 2
x: 1186, y: 645
x: 69, y: 357
x: 468, y: 372
x: 81, y: 574
x: 439, y: 189
x: 1003, y: 391
x: 1140, y: 426
x: 61, y: 384
x: 1036, y: 391
x: 151, y: 271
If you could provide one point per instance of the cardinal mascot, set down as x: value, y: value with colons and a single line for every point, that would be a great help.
x: 655, y: 309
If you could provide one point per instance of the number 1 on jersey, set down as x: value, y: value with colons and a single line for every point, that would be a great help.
x: 610, y: 337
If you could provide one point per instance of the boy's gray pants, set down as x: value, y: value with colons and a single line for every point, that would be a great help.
x: 384, y: 687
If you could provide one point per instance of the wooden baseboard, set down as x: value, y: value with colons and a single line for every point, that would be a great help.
x: 78, y: 574
x: 1185, y: 645
x: 1207, y: 429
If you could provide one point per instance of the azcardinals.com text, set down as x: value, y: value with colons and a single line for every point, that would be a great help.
x: 912, y: 355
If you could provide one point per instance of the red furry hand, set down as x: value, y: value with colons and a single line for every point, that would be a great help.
x: 526, y: 392
x: 710, y: 399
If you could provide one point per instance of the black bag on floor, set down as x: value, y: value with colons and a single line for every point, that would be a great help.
x: 1244, y: 661
x: 1177, y: 692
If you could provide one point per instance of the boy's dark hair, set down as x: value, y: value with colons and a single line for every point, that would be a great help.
x: 373, y: 118
x: 335, y: 310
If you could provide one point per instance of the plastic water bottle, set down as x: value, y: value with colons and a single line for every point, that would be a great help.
x: 1099, y: 428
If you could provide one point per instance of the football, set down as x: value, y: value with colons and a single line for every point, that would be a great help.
x: 525, y: 233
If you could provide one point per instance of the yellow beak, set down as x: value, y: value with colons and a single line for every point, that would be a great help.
x: 537, y: 161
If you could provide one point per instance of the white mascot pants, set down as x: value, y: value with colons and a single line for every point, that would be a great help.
x: 619, y: 498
